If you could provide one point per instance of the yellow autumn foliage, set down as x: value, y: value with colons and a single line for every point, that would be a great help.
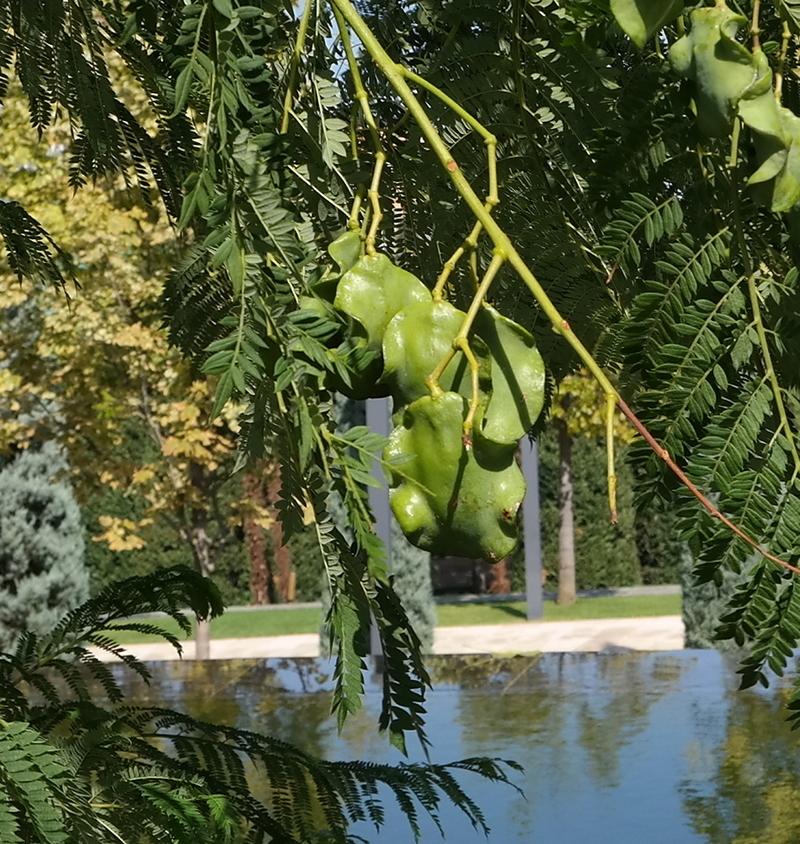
x: 79, y: 365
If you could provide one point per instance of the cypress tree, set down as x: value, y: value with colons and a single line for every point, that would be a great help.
x: 704, y: 605
x: 42, y: 572
x: 411, y: 568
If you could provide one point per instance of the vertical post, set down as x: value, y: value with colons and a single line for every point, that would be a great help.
x: 531, y: 519
x: 379, y: 420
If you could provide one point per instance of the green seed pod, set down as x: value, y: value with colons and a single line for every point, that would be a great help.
x: 721, y: 67
x: 372, y: 291
x: 369, y: 294
x: 776, y: 137
x: 346, y: 250
x: 641, y: 19
x: 447, y: 498
x: 517, y: 394
x: 416, y: 340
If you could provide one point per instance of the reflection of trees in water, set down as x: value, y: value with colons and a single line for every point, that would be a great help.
x: 609, y: 722
x: 543, y: 707
x: 752, y: 795
x: 285, y: 698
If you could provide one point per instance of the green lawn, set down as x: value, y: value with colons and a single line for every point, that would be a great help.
x: 451, y: 615
x: 284, y: 622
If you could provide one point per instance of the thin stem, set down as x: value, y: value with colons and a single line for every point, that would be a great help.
x: 493, y: 196
x: 470, y: 242
x: 786, y: 35
x: 755, y: 28
x: 432, y: 381
x: 488, y: 138
x: 380, y: 154
x: 504, y: 247
x: 352, y: 222
x: 611, y: 404
x: 712, y: 510
x: 755, y: 304
x: 461, y: 342
x: 294, y: 64
x: 497, y: 262
x: 375, y: 201
x: 474, y: 371
x: 473, y: 269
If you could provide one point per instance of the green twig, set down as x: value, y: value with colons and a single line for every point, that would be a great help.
x: 611, y: 406
x: 294, y: 64
x: 755, y: 27
x: 751, y: 273
x: 362, y: 98
x: 786, y: 35
x: 461, y: 343
x: 492, y: 197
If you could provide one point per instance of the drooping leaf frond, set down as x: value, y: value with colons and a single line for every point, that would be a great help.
x: 80, y: 764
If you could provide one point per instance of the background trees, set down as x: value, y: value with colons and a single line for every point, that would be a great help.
x: 90, y: 367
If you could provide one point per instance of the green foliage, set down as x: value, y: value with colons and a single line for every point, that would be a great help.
x: 645, y: 237
x: 658, y: 544
x: 42, y: 573
x: 31, y: 252
x: 164, y: 546
x: 78, y: 763
x: 704, y: 605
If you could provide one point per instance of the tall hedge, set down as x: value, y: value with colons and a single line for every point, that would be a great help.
x: 42, y: 572
x: 605, y: 554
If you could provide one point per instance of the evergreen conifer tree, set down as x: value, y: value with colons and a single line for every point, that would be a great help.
x: 704, y: 605
x: 42, y: 572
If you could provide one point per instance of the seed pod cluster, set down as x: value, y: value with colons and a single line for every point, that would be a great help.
x: 731, y: 81
x: 453, y: 491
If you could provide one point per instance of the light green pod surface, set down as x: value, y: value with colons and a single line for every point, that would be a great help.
x: 373, y: 290
x: 641, y: 19
x: 722, y: 68
x: 415, y: 342
x: 776, y: 137
x: 449, y: 499
x: 346, y: 250
x: 518, y: 378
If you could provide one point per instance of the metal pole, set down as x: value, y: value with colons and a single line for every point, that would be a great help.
x: 531, y: 519
x: 379, y: 420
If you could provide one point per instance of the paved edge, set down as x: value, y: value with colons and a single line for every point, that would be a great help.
x: 659, y: 633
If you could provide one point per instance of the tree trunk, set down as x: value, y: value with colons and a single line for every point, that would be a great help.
x: 202, y: 640
x: 501, y: 584
x: 201, y: 548
x: 260, y: 574
x: 566, y: 528
x: 283, y: 556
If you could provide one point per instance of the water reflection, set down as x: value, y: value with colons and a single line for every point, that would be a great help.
x: 752, y: 795
x: 622, y: 748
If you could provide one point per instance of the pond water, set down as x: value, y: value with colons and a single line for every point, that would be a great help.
x: 624, y: 748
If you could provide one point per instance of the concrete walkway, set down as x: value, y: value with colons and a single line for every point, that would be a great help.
x: 664, y: 633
